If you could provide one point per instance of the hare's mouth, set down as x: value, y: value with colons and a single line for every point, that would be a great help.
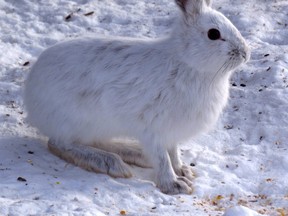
x: 239, y: 55
x: 231, y: 63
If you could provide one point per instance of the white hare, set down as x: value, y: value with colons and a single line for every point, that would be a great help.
x: 85, y: 92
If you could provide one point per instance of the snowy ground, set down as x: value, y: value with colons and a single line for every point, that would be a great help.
x: 243, y: 162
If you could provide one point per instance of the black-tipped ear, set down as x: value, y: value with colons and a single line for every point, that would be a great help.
x: 209, y: 3
x: 182, y: 4
x: 193, y: 7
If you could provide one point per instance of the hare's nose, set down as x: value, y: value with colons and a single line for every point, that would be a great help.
x: 245, y: 53
x: 248, y: 54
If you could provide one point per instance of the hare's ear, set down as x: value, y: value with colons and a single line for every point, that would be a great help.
x: 209, y: 3
x: 193, y: 7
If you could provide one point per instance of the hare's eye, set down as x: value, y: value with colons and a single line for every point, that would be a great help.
x: 214, y: 34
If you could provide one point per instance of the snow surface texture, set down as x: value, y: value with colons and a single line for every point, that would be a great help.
x: 240, y: 211
x: 243, y: 162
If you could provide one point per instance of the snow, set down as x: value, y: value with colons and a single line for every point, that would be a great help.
x: 240, y: 211
x: 241, y: 166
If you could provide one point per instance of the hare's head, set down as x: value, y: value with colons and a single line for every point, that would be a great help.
x: 207, y: 40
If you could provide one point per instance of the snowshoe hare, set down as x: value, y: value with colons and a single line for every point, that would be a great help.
x: 85, y: 92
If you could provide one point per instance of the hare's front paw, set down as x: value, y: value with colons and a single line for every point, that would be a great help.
x: 176, y: 186
x: 185, y: 171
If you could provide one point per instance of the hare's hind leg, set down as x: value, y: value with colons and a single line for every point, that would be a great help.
x: 128, y: 150
x: 91, y: 158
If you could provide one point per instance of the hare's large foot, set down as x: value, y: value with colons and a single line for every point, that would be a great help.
x: 129, y: 150
x: 91, y: 159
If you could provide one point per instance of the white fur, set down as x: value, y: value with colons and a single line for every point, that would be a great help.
x: 160, y: 92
